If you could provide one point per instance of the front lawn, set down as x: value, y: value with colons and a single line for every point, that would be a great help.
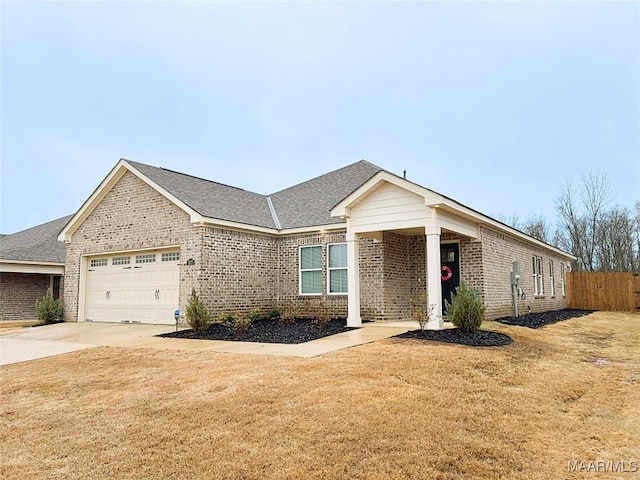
x: 393, y: 409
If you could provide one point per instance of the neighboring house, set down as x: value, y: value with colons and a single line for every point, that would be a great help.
x: 30, y: 262
x: 358, y: 242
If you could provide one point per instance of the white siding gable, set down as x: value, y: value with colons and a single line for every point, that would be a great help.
x: 388, y: 207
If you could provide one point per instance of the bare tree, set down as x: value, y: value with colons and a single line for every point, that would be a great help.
x: 537, y: 227
x: 601, y: 237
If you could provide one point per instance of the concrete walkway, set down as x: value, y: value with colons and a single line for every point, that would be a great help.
x: 39, y: 342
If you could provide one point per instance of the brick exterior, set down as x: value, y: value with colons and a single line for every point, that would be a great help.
x: 499, y: 251
x: 19, y: 292
x: 131, y: 216
x: 235, y: 271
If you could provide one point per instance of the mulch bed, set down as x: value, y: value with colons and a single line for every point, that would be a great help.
x: 268, y: 331
x: 479, y: 338
x: 485, y: 338
x: 305, y: 330
x: 537, y: 320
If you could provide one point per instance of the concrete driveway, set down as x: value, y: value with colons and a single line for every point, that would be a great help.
x: 38, y: 342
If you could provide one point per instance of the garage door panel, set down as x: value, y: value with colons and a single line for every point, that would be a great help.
x: 145, y: 292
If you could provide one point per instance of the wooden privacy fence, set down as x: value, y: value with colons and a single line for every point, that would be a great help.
x: 616, y: 291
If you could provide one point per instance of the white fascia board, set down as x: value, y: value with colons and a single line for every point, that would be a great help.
x: 105, y: 186
x: 18, y: 266
x: 215, y: 222
x: 314, y: 229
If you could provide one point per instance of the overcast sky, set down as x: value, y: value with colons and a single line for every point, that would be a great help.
x: 495, y: 104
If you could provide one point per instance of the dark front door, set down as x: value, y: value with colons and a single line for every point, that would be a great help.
x: 450, y: 274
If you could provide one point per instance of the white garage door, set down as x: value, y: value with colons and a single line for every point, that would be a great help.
x: 137, y: 287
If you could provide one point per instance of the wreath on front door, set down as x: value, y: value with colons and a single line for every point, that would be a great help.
x: 446, y: 273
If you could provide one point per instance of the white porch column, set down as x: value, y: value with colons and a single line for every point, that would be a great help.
x: 353, y: 281
x: 434, y: 285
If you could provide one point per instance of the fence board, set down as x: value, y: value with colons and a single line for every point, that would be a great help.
x: 614, y: 291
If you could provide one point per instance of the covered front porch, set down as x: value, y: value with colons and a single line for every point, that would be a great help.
x: 404, y: 241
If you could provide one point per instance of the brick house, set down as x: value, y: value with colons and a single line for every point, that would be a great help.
x: 30, y: 262
x: 358, y: 242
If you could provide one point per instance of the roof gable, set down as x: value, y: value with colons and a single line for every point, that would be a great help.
x: 309, y: 203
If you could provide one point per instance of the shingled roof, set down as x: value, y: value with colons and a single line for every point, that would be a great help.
x: 304, y: 205
x: 211, y: 199
x: 37, y: 244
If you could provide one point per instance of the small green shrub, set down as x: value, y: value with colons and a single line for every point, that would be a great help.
x: 254, y: 315
x: 273, y: 314
x: 466, y: 310
x: 227, y: 319
x: 241, y: 323
x: 198, y: 316
x: 421, y: 311
x: 48, y: 310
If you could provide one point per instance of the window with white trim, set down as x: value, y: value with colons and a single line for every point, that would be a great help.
x: 98, y: 262
x: 170, y: 256
x: 563, y: 279
x: 311, y: 270
x: 538, y: 284
x: 337, y: 268
x: 146, y: 258
x: 120, y: 260
x: 552, y: 280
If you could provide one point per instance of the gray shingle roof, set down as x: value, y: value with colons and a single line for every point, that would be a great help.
x: 304, y: 205
x: 36, y: 244
x: 212, y: 199
x: 309, y: 203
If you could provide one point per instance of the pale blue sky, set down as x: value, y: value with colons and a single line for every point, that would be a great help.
x: 496, y: 104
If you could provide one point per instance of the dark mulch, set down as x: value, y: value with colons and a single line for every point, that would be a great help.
x: 484, y: 338
x: 537, y: 320
x: 268, y: 331
x: 479, y: 338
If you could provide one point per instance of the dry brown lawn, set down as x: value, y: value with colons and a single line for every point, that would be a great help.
x: 394, y: 409
x: 7, y: 326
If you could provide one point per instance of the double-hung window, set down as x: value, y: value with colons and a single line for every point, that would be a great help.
x: 538, y: 284
x: 311, y: 270
x: 552, y: 280
x: 563, y: 279
x: 337, y: 262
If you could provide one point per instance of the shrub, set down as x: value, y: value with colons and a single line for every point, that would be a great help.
x: 242, y: 323
x: 466, y: 310
x: 421, y: 311
x: 254, y: 315
x: 321, y: 315
x: 198, y: 316
x: 273, y: 314
x: 227, y: 319
x: 48, y: 310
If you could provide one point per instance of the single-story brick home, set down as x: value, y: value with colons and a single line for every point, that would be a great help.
x: 30, y: 262
x: 358, y: 242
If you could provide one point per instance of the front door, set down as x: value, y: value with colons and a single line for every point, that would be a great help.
x: 450, y: 274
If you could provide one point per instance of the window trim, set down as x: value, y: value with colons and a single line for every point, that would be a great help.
x: 301, y: 270
x: 538, y: 276
x: 552, y: 280
x: 563, y: 279
x: 332, y: 269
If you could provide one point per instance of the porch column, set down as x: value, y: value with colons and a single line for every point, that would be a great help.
x: 353, y: 281
x: 434, y: 285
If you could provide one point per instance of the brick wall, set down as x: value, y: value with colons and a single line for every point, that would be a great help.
x: 239, y: 271
x: 19, y: 292
x: 499, y: 251
x: 131, y: 216
x: 288, y: 281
